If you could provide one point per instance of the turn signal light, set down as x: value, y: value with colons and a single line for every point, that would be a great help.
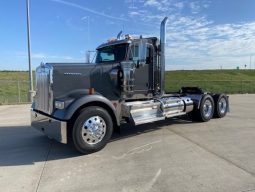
x: 91, y: 91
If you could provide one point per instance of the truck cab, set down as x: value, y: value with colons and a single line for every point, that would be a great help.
x: 84, y: 103
x: 117, y: 57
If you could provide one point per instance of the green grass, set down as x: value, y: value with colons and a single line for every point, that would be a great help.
x: 226, y: 81
x: 14, y: 75
x: 13, y: 87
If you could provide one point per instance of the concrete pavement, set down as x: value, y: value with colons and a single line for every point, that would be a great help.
x: 175, y: 155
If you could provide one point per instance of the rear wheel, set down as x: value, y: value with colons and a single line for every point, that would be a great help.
x: 205, y: 111
x: 221, y: 106
x: 92, y: 130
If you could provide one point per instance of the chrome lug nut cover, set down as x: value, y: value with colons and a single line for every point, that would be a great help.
x: 93, y: 130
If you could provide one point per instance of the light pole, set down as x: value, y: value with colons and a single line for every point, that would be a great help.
x: 31, y: 88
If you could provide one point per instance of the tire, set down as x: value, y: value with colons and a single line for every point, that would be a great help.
x: 92, y: 130
x: 205, y: 111
x: 221, y: 106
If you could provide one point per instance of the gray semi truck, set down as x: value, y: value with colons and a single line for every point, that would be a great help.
x: 84, y: 103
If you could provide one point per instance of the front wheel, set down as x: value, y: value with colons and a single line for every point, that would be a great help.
x: 92, y: 130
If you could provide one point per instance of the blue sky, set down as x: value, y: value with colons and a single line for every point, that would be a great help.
x: 202, y: 34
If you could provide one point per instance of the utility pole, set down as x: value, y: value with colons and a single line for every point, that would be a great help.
x: 31, y: 88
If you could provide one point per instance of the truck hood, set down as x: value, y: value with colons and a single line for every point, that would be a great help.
x: 70, y: 77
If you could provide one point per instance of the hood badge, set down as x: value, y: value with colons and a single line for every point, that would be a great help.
x: 72, y: 74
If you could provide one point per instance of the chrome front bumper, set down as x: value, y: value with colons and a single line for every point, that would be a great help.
x: 53, y: 128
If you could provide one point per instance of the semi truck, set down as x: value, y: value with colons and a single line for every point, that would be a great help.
x: 83, y: 103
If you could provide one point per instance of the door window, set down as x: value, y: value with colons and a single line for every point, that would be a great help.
x: 134, y: 52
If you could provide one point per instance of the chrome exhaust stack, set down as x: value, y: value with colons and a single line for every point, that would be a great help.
x: 162, y: 55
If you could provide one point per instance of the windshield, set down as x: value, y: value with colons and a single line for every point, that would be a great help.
x: 114, y: 53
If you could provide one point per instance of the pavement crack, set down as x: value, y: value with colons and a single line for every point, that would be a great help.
x: 214, y: 153
x: 44, y: 165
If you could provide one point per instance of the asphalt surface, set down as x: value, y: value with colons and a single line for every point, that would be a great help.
x: 175, y: 155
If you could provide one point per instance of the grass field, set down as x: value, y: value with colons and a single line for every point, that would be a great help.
x: 14, y: 85
x: 226, y: 81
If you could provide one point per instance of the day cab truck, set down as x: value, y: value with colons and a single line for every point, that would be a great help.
x: 84, y: 103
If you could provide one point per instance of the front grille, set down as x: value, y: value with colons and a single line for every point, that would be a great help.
x: 44, y: 94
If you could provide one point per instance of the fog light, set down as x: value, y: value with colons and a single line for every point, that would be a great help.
x: 59, y: 104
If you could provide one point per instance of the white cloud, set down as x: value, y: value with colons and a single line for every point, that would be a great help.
x: 43, y: 56
x: 193, y: 41
x: 152, y: 3
x: 195, y: 7
x: 134, y: 13
x: 161, y: 5
x: 179, y: 5
x: 88, y: 10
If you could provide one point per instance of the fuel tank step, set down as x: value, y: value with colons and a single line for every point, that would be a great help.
x: 141, y: 112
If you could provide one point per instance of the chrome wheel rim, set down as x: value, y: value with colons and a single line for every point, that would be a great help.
x: 222, y: 105
x: 93, y: 130
x: 207, y: 108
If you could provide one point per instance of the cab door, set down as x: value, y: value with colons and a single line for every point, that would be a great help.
x: 142, y: 72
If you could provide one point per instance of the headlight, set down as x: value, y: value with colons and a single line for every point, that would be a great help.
x: 59, y: 104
